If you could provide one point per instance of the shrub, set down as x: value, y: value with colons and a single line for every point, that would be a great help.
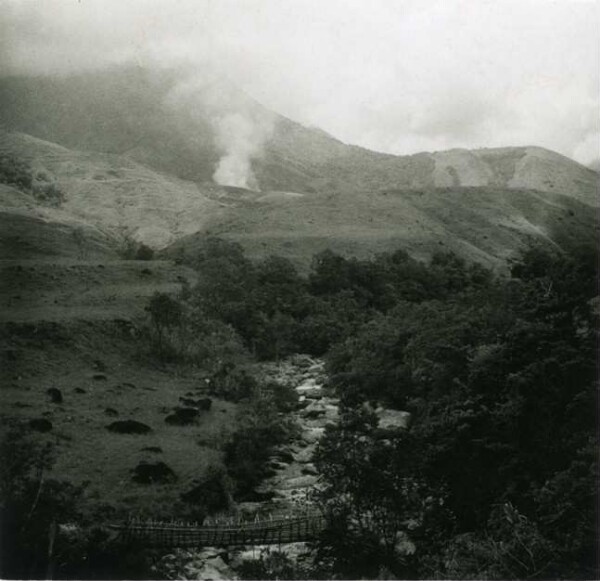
x: 144, y: 252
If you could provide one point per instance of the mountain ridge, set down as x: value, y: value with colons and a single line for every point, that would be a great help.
x: 167, y: 122
x: 136, y: 155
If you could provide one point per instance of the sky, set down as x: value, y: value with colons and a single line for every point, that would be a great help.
x: 399, y: 76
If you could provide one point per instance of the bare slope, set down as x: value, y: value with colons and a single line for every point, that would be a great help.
x: 107, y: 198
x: 117, y: 196
x: 488, y: 225
x: 165, y: 121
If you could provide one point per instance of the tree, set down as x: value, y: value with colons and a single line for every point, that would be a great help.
x: 31, y: 505
x: 165, y: 313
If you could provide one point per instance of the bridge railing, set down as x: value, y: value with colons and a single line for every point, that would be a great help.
x: 258, y: 532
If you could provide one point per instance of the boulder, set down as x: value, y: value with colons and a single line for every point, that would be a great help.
x: 312, y: 435
x: 392, y: 419
x: 111, y: 412
x: 309, y: 470
x: 99, y: 377
x: 305, y: 481
x: 284, y: 455
x: 213, y: 568
x: 128, y: 427
x: 186, y: 401
x: 40, y: 425
x: 182, y: 417
x: 205, y: 403
x: 79, y: 390
x: 153, y: 473
x: 304, y: 456
x: 55, y: 395
x: 302, y: 361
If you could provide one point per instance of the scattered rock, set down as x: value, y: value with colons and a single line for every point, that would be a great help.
x: 111, y: 412
x: 313, y: 414
x: 392, y: 419
x: 153, y: 473
x: 275, y: 465
x: 55, y: 395
x: 154, y: 449
x: 314, y: 395
x: 312, y: 435
x: 304, y: 456
x: 128, y: 427
x: 302, y: 403
x: 309, y: 469
x: 205, y: 403
x: 305, y: 481
x: 187, y: 401
x: 127, y: 384
x: 284, y: 456
x: 40, y: 425
x: 302, y: 361
x: 182, y: 416
x: 213, y: 568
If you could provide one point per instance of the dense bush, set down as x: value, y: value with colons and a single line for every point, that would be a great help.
x: 31, y: 505
x: 261, y: 428
x: 497, y: 475
x: 18, y: 173
x: 500, y: 380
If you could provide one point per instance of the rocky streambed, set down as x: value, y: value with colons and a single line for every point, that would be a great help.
x: 292, y: 476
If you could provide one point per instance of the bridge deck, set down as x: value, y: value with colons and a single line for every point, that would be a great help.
x: 265, y: 532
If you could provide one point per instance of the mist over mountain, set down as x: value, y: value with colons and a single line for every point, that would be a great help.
x: 153, y: 156
x: 314, y: 277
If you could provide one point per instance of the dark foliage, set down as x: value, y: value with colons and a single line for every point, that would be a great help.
x: 497, y: 475
x: 500, y: 379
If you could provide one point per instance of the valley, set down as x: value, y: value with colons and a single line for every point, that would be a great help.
x: 405, y: 342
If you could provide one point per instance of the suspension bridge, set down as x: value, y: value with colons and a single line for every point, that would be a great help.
x: 265, y: 531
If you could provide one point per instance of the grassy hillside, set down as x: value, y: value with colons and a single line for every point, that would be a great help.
x: 93, y: 365
x: 113, y: 194
x: 166, y: 121
x: 102, y: 201
x: 488, y: 225
x: 74, y: 326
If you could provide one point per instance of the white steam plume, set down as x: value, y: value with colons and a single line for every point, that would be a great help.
x: 241, y: 139
x: 240, y: 125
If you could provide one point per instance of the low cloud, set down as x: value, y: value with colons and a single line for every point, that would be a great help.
x: 397, y: 76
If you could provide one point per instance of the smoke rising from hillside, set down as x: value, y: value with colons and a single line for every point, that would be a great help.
x: 240, y: 126
x: 241, y: 139
x: 396, y: 76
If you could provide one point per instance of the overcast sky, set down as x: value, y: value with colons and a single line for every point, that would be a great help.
x: 399, y: 76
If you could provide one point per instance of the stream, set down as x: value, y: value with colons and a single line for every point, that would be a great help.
x: 291, y: 480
